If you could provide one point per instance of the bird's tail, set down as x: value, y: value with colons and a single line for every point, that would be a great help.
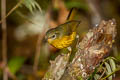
x: 72, y: 14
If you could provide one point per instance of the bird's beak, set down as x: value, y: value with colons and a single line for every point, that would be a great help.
x: 49, y: 40
x: 46, y: 39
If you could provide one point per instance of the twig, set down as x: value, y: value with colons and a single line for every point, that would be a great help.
x: 13, y: 9
x: 110, y: 74
x: 102, y: 74
x: 11, y: 75
x: 94, y: 11
x: 4, y: 39
x: 37, y: 55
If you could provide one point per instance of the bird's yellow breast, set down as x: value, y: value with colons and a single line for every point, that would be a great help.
x: 63, y: 42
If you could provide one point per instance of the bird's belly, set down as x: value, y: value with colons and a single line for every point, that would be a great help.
x: 64, y: 42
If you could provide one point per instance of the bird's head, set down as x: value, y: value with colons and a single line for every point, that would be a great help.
x: 52, y: 34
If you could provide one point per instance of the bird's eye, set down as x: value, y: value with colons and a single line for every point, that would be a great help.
x: 53, y: 36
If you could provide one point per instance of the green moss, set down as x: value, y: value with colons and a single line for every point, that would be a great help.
x: 47, y: 75
x: 79, y: 78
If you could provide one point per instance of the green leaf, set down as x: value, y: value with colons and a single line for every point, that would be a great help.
x: 31, y: 5
x: 97, y: 76
x: 106, y: 60
x: 15, y: 64
x: 109, y: 71
x: 80, y: 78
x: 93, y: 74
x: 113, y: 65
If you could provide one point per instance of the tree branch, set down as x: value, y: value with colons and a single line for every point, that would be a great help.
x: 4, y: 39
x: 57, y: 67
x: 37, y: 55
x: 91, y: 50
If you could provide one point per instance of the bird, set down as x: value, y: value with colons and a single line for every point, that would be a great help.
x: 63, y: 35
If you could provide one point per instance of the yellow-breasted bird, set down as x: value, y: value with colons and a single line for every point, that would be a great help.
x: 63, y: 35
